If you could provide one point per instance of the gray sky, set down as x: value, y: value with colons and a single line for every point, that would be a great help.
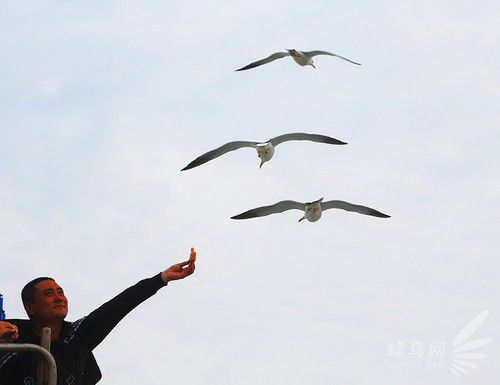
x: 102, y: 103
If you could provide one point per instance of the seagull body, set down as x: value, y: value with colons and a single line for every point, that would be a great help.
x: 265, y: 150
x: 302, y: 58
x: 312, y: 210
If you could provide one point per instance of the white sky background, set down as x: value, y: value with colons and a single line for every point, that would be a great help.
x: 101, y: 105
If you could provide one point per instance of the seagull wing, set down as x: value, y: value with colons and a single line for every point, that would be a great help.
x: 302, y: 136
x: 269, y: 59
x: 231, y: 146
x: 272, y: 209
x: 315, y: 53
x: 352, y: 207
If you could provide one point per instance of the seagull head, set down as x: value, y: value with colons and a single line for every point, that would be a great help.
x: 310, y: 62
x: 312, y: 211
x: 265, y: 152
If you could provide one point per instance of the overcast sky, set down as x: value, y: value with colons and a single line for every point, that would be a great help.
x: 103, y: 102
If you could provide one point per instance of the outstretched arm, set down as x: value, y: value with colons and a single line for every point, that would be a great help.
x: 92, y: 329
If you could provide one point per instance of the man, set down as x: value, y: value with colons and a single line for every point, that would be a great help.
x: 73, y: 342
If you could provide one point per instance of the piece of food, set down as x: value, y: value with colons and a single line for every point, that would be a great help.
x: 192, y: 256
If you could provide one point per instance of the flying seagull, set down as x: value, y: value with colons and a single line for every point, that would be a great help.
x: 265, y: 150
x: 312, y: 210
x: 302, y: 58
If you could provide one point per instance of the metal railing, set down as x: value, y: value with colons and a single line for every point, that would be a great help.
x: 47, y: 370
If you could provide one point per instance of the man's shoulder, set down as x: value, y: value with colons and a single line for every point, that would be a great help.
x: 23, y: 324
x: 71, y: 329
x: 73, y: 325
x: 24, y: 328
x: 26, y: 322
x: 20, y: 323
x: 16, y: 321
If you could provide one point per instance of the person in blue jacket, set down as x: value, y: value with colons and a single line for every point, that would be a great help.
x: 73, y: 342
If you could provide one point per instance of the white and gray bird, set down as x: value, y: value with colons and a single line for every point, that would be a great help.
x: 303, y: 58
x: 265, y: 150
x: 312, y: 210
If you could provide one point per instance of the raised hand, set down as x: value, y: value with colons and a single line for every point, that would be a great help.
x: 180, y: 270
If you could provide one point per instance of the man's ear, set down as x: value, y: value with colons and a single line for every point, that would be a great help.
x: 29, y: 309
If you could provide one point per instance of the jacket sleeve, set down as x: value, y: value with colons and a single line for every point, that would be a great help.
x: 92, y: 329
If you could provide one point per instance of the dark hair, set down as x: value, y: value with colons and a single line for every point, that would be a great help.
x: 29, y: 289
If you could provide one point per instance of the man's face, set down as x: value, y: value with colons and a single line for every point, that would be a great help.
x: 49, y: 302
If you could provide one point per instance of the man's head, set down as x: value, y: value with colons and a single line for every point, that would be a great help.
x: 44, y: 300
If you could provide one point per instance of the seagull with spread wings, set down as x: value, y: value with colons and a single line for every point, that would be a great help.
x: 302, y: 58
x: 312, y: 210
x: 265, y: 150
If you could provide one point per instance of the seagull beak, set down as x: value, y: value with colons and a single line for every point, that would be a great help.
x: 261, y: 163
x: 301, y: 219
x: 313, y: 66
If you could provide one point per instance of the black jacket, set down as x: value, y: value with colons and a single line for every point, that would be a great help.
x: 76, y: 364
